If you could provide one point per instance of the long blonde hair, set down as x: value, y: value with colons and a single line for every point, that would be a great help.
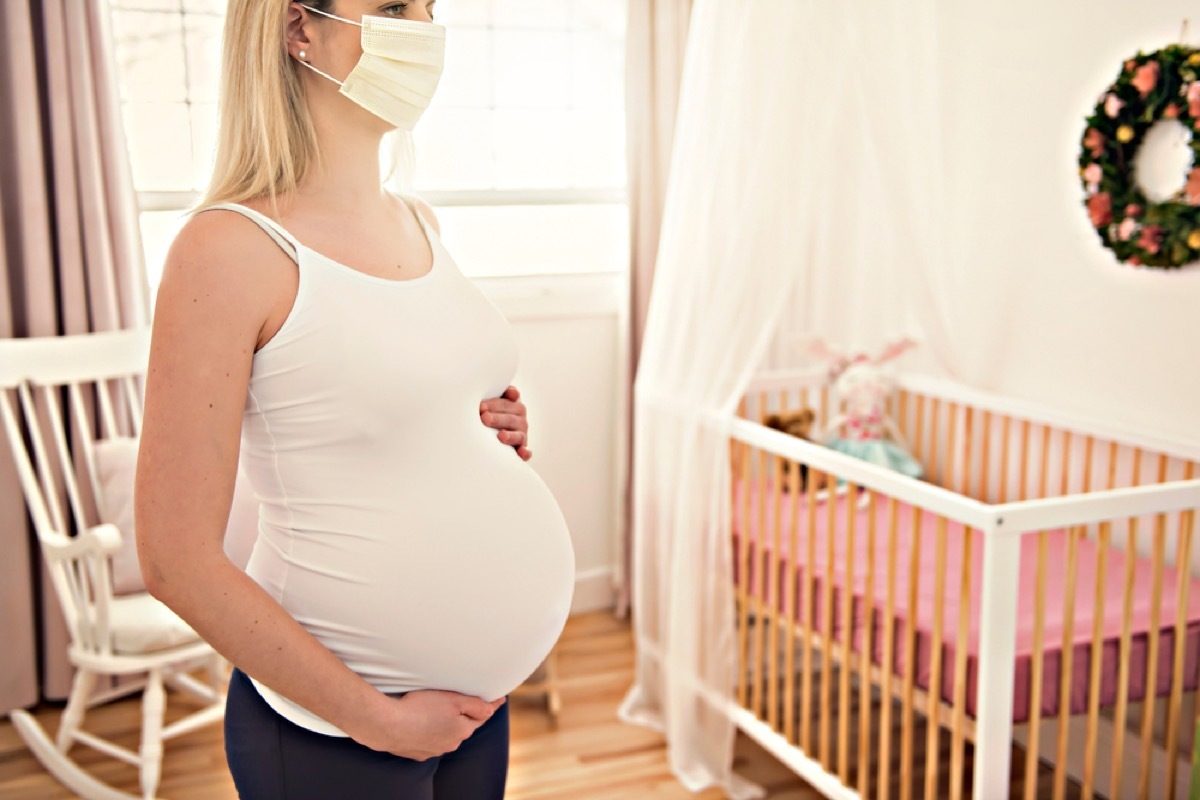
x: 266, y: 142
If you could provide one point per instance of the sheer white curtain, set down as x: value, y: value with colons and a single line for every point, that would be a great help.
x: 802, y: 192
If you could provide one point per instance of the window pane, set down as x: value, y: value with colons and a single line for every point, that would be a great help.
x: 468, y: 79
x: 158, y: 230
x: 533, y: 149
x: 203, y: 57
x: 160, y: 145
x: 552, y: 14
x: 143, y: 38
x: 488, y: 241
x: 453, y: 13
x: 454, y: 150
x: 532, y: 69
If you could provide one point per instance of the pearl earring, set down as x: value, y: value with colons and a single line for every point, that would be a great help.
x: 303, y: 55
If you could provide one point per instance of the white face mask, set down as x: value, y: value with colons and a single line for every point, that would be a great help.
x: 399, y: 69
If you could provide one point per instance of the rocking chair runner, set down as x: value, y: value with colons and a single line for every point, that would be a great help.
x: 110, y: 635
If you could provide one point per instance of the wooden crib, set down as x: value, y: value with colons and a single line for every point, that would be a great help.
x: 1007, y: 627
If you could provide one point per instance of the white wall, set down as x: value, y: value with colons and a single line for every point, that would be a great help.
x: 1046, y: 313
x: 568, y: 334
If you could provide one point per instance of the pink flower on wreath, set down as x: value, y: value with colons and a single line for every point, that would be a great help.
x: 1127, y: 229
x: 1192, y: 190
x: 1145, y: 78
x: 1151, y: 239
x: 1133, y: 210
x: 1094, y: 141
x: 1193, y: 98
x: 1099, y: 208
x: 1092, y: 174
x: 1113, y: 105
x: 1135, y: 261
x: 1129, y: 65
x: 1171, y: 111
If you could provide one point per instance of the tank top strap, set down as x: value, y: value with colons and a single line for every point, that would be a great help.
x: 288, y: 243
x: 409, y: 200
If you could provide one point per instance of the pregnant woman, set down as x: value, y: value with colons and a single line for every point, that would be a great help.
x: 410, y: 570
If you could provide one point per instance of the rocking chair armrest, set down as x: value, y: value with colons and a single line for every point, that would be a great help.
x: 103, y: 539
x: 107, y: 537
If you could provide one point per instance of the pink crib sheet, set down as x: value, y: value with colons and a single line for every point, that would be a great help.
x: 1085, y: 608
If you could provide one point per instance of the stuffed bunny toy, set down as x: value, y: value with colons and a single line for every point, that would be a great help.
x: 865, y: 429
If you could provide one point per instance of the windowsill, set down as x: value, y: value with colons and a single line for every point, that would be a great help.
x: 556, y: 296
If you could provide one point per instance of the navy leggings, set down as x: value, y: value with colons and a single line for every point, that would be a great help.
x: 272, y: 758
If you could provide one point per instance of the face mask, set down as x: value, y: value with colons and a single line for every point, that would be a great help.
x: 399, y: 69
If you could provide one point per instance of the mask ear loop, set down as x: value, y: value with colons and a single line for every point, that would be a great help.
x: 331, y: 16
x: 321, y: 73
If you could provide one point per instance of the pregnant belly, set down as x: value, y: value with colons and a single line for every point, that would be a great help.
x: 461, y: 583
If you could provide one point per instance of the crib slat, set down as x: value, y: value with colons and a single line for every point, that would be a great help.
x: 1183, y: 558
x: 889, y: 658
x: 1005, y: 430
x: 935, y: 662
x: 910, y: 646
x: 1023, y: 460
x: 1037, y: 670
x: 773, y: 614
x: 985, y: 458
x: 1065, y: 487
x: 815, y: 479
x: 843, y: 758
x: 1152, y: 640
x: 865, y: 655
x: 1045, y: 465
x: 744, y: 578
x: 918, y: 444
x: 964, y: 485
x: 1097, y: 654
x: 827, y: 623
x: 760, y: 598
x: 958, y: 743
x: 951, y: 442
x: 1119, y: 716
x: 1112, y: 465
x: 789, y: 669
x: 1064, y: 664
x: 935, y: 406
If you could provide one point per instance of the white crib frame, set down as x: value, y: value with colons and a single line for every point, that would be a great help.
x: 1002, y: 525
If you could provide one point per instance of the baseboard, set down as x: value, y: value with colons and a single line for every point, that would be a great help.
x: 593, y: 590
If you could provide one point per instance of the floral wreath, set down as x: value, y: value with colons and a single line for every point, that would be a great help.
x: 1164, y: 84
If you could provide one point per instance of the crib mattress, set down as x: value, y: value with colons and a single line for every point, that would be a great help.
x: 924, y: 531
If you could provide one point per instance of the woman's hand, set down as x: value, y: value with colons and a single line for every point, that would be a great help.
x: 507, y: 414
x: 428, y: 723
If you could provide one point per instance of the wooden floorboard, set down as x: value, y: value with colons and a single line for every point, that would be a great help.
x: 589, y: 755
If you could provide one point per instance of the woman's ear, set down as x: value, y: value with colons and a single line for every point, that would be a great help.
x: 296, y: 32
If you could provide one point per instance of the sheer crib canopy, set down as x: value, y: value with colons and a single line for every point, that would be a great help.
x: 804, y: 187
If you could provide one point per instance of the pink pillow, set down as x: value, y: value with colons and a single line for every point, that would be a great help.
x: 116, y: 461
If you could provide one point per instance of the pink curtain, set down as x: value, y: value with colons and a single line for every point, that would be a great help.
x: 656, y: 39
x: 70, y: 262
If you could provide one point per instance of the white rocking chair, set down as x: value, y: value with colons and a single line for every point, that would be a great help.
x: 128, y: 635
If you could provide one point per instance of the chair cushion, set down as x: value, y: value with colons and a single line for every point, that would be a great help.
x: 116, y: 463
x: 141, y: 624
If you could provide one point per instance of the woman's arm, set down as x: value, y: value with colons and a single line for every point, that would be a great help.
x: 222, y: 283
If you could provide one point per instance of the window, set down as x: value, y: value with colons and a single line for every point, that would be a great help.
x: 522, y: 151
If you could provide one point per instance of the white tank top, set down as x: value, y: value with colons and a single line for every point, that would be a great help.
x: 393, y: 524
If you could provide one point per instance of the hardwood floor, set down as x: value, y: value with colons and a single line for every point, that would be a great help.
x: 590, y: 755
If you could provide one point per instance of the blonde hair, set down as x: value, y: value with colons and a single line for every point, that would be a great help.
x: 266, y: 142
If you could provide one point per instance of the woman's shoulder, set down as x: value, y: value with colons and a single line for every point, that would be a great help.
x: 224, y: 255
x: 220, y: 232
